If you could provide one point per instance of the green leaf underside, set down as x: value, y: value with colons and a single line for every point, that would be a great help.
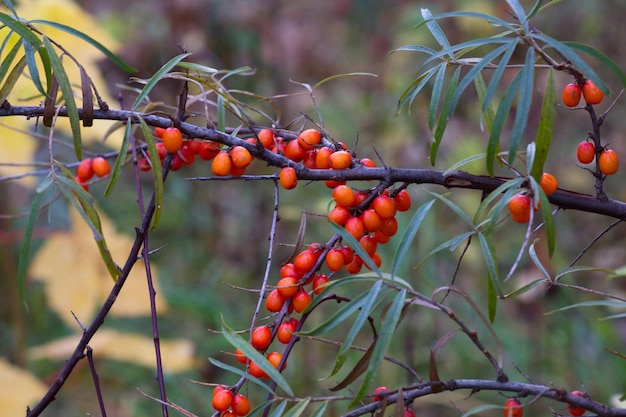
x: 409, y: 235
x: 444, y: 117
x: 546, y: 127
x: 523, y: 103
x: 157, y: 173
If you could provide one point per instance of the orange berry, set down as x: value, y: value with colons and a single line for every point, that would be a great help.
x: 240, y: 405
x: 236, y: 172
x: 384, y: 206
x: 322, y: 157
x: 256, y: 371
x: 161, y: 150
x: 344, y: 195
x: 340, y: 160
x: 221, y: 164
x: 305, y: 260
x: 367, y: 163
x: 241, y: 358
x: 369, y: 244
x: 339, y: 215
x: 608, y: 162
x: 287, y: 286
x: 288, y: 178
x: 332, y: 184
x: 318, y: 283
x: 379, y: 390
x: 309, y: 159
x: 286, y: 329
x: 371, y: 220
x: 274, y: 301
x: 376, y: 259
x: 402, y: 200
x: 266, y: 136
x: 585, y: 152
x: 334, y: 260
x: 81, y: 182
x: 186, y: 154
x: 591, y: 92
x: 381, y: 237
x: 290, y: 270
x: 348, y: 254
x: 355, y: 227
x: 195, y: 145
x: 228, y: 414
x: 100, y: 166
x: 309, y: 139
x: 240, y: 157
x: 294, y: 151
x: 571, y: 95
x: 274, y: 358
x: 513, y: 408
x: 177, y: 162
x: 389, y: 227
x: 208, y: 151
x: 354, y: 267
x: 300, y: 301
x: 519, y: 206
x: 172, y: 139
x: 261, y: 337
x: 222, y: 400
x: 158, y: 131
x: 548, y: 183
x: 576, y: 411
x: 144, y: 164
x: 84, y: 171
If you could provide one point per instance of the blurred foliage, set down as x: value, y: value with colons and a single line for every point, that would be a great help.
x: 215, y: 234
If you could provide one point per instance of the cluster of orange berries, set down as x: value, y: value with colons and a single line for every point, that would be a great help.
x: 514, y: 408
x: 261, y: 339
x: 229, y: 404
x: 378, y: 396
x: 89, y: 167
x: 520, y: 204
x: 589, y: 90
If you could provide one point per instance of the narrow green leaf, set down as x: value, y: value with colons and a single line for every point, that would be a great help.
x: 548, y: 222
x: 9, y: 58
x: 68, y: 96
x: 338, y: 76
x: 451, y: 244
x: 574, y: 269
x: 535, y: 9
x: 464, y: 47
x: 157, y: 173
x: 549, y: 4
x: 21, y: 29
x: 119, y: 161
x: 239, y: 343
x: 298, y: 409
x: 497, y: 76
x: 519, y: 12
x: 29, y: 53
x: 408, y: 96
x: 573, y: 57
x: 546, y: 127
x: 11, y: 80
x: 464, y: 161
x: 495, y: 21
x: 486, y: 121
x: 526, y: 288
x: 280, y: 409
x: 70, y: 30
x: 22, y: 264
x: 600, y: 303
x: 454, y: 208
x: 435, y: 29
x: 9, y: 5
x: 356, y: 246
x: 241, y: 373
x: 435, y: 95
x: 339, y: 316
x: 382, y: 343
x: 530, y: 155
x: 524, y: 101
x: 492, y: 301
x: 533, y: 256
x: 321, y: 410
x: 221, y: 113
x: 409, y: 235
x: 156, y: 78
x: 498, y: 122
x: 489, y: 254
x: 604, y: 59
x: 445, y: 115
x: 416, y: 48
x: 368, y: 304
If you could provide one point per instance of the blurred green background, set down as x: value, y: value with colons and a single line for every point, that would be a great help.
x: 217, y: 232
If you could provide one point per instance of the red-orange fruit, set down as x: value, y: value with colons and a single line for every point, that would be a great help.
x: 266, y: 136
x: 361, y: 196
x: 221, y: 164
x: 367, y: 163
x: 274, y: 358
x: 285, y: 331
x: 222, y: 400
x: 288, y: 178
x: 300, y: 301
x: 144, y: 164
x: 389, y: 227
x: 379, y: 390
x: 585, y: 152
x: 355, y: 227
x: 85, y: 169
x: 287, y: 286
x: 608, y: 162
x: 240, y: 157
x: 339, y: 215
x: 371, y: 220
x: 354, y: 267
x: 548, y: 183
x: 195, y: 145
x: 513, y: 408
x: 591, y: 92
x: 318, y: 283
x: 305, y: 260
x: 381, y: 237
x: 158, y: 131
x: 209, y: 150
x: 402, y: 200
x: 81, y: 182
x: 571, y: 95
x: 309, y: 159
x: 376, y: 259
x: 294, y: 151
x: 240, y: 405
x: 334, y: 260
x: 344, y: 195
x: 177, y: 162
x: 261, y: 337
x: 274, y: 301
x: 519, y: 206
x: 290, y: 270
x: 384, y: 206
x: 186, y: 154
x: 256, y: 371
x: 369, y: 244
x: 340, y: 160
x: 161, y: 150
x: 322, y: 157
x: 236, y: 172
x: 100, y: 166
x: 172, y: 139
x: 240, y: 356
x: 576, y: 411
x: 348, y: 254
x: 309, y: 139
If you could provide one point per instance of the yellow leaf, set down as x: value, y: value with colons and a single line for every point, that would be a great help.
x: 77, y: 280
x: 177, y: 355
x: 17, y: 388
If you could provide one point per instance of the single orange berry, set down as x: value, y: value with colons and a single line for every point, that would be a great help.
x: 300, y: 301
x: 408, y: 412
x: 287, y: 287
x: 209, y: 150
x: 355, y: 227
x: 318, y: 283
x: 355, y: 266
x: 177, y: 162
x: 591, y: 92
x: 241, y: 358
x: 576, y: 411
x: 309, y: 159
x: 158, y: 131
x: 384, y: 206
x: 305, y: 260
x: 344, y: 195
x: 228, y: 414
x: 294, y: 151
x: 256, y: 371
x: 340, y: 160
x: 519, y: 206
x: 81, y: 182
x: 369, y: 244
x: 548, y: 183
x: 172, y: 139
x: 85, y: 169
x: 100, y: 166
x: 261, y: 337
x: 371, y: 220
x: 381, y: 237
x: 285, y: 331
x: 339, y: 215
x: 348, y: 254
x: 389, y: 227
x: 266, y: 136
x: 221, y: 164
x: 240, y: 405
x: 513, y: 408
x: 379, y: 390
x: 334, y: 260
x: 608, y: 162
x: 222, y: 400
x: 240, y: 157
x: 367, y: 163
x: 571, y: 95
x: 274, y: 301
x: 288, y: 178
x: 274, y: 358
x: 585, y: 152
x: 322, y: 157
x: 290, y: 270
x: 144, y: 164
x: 309, y: 139
x: 403, y: 200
